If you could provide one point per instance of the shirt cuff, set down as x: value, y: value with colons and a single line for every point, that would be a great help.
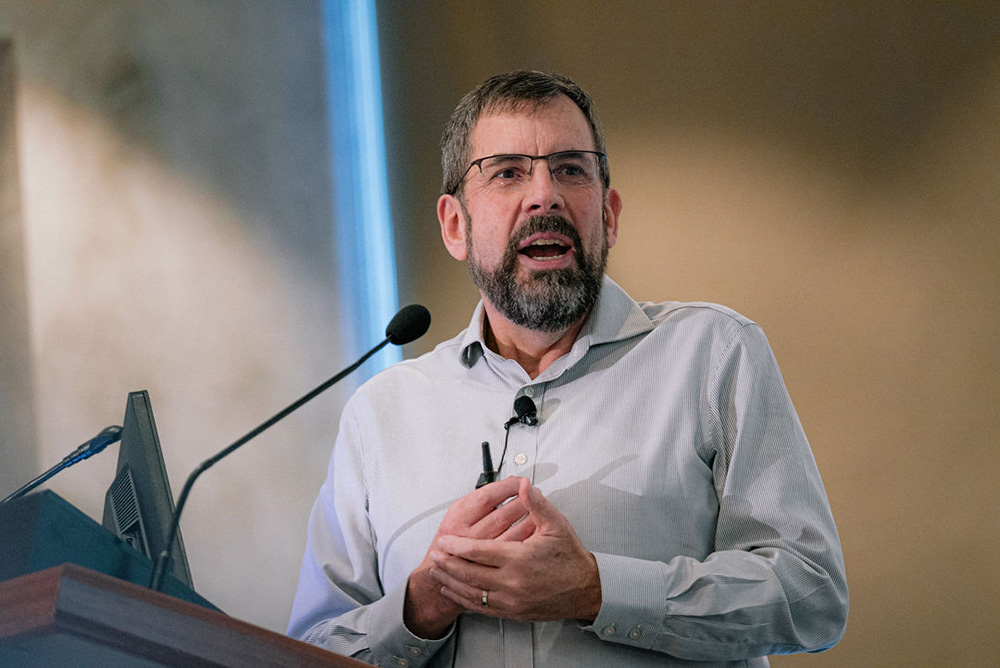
x: 391, y: 643
x: 633, y: 600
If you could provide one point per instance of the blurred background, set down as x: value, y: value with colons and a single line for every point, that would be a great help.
x: 172, y: 218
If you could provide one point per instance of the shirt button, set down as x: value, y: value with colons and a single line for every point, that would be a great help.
x: 529, y: 391
x: 402, y: 663
x: 521, y: 459
x: 608, y: 630
x: 635, y: 633
x: 414, y: 651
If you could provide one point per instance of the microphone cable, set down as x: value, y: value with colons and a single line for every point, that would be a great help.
x: 527, y: 414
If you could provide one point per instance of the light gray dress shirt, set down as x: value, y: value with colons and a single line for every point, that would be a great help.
x: 666, y: 437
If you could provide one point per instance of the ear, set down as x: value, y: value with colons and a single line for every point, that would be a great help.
x: 452, y: 219
x: 612, y: 210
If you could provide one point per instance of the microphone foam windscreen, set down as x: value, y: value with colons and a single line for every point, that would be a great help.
x: 526, y: 410
x: 409, y: 324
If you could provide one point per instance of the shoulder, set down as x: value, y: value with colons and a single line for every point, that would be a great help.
x: 703, y: 317
x: 716, y: 313
x: 708, y: 334
x: 416, y: 373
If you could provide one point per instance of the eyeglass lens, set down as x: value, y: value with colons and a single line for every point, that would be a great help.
x: 568, y: 168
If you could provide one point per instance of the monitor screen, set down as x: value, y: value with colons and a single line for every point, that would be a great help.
x: 138, y: 505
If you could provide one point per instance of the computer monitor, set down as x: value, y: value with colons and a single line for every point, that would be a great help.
x: 138, y: 506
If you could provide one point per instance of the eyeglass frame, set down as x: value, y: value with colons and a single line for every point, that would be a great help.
x: 478, y: 162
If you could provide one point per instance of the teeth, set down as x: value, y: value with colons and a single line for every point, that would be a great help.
x: 545, y: 242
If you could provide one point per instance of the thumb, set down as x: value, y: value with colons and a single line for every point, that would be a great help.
x: 544, y: 514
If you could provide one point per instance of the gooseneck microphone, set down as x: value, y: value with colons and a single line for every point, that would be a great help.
x: 409, y: 324
x: 106, y: 437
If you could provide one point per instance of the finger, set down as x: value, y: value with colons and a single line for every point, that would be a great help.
x: 479, y: 503
x: 542, y: 512
x: 520, y: 531
x: 499, y: 521
x: 473, y: 604
x: 483, y: 552
x: 464, y: 513
x: 475, y: 575
x: 466, y: 584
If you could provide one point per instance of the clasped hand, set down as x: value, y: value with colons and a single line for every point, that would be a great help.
x: 505, y: 538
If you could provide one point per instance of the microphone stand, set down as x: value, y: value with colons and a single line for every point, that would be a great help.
x: 164, y: 559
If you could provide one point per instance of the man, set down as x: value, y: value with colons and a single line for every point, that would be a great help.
x: 665, y: 509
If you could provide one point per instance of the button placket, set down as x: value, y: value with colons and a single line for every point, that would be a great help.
x: 523, y: 443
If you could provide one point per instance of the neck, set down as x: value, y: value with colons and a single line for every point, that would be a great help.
x: 535, y: 351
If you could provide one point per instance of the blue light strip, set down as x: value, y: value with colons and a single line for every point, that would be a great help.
x: 363, y: 222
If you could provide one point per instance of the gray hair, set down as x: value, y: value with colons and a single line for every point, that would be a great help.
x: 504, y: 93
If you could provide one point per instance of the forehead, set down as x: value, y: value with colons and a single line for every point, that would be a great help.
x: 554, y: 125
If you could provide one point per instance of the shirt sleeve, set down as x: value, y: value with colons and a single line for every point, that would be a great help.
x: 775, y: 581
x: 340, y: 603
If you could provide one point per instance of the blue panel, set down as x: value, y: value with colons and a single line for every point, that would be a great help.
x: 365, y: 253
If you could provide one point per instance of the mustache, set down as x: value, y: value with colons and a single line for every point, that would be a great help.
x: 553, y: 223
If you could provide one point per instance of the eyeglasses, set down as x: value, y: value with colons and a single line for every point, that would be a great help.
x: 511, y: 170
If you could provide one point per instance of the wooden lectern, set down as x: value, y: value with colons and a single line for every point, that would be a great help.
x: 74, y: 617
x: 69, y: 598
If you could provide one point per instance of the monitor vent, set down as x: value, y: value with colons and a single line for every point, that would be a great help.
x: 125, y: 511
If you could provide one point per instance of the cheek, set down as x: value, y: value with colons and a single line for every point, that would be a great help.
x: 482, y: 247
x: 489, y: 238
x: 597, y: 231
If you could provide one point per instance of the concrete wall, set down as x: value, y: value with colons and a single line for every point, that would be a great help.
x: 16, y: 397
x: 828, y: 169
x: 175, y: 213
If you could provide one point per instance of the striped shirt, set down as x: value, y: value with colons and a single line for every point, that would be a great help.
x: 667, y: 438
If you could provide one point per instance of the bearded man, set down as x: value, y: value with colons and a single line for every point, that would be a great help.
x: 657, y: 503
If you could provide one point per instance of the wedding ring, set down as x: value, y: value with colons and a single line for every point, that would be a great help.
x: 486, y: 596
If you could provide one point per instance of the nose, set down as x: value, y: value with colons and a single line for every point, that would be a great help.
x: 543, y: 193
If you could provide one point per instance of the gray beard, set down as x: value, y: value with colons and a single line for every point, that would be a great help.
x: 548, y: 300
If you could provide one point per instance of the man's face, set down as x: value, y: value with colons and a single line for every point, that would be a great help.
x: 537, y: 249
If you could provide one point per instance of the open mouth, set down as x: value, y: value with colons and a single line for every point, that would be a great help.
x: 545, y: 249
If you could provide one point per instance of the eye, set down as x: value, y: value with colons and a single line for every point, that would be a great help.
x: 569, y: 169
x: 508, y: 173
x: 505, y: 169
x: 574, y: 168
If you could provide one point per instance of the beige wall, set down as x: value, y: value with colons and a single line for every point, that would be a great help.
x: 16, y: 398
x: 832, y: 171
x: 829, y: 170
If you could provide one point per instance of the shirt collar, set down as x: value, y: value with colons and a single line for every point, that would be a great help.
x: 615, y: 317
